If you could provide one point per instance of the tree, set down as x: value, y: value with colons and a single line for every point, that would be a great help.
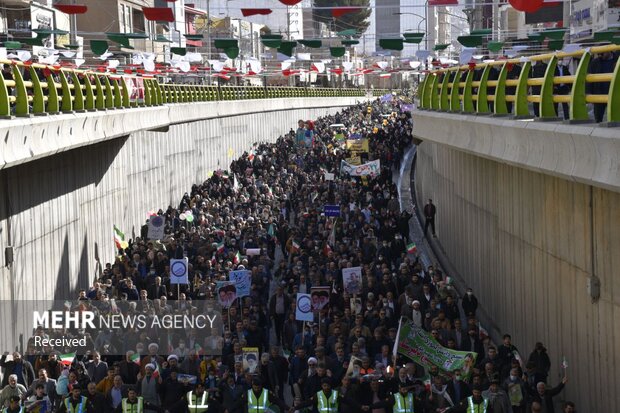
x: 357, y: 20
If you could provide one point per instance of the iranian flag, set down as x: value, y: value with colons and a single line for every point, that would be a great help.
x: 157, y: 372
x: 67, y: 359
x: 135, y: 358
x: 327, y: 249
x: 296, y: 246
x: 237, y: 258
x: 198, y: 349
x: 119, y: 238
x: 220, y: 247
x: 411, y: 248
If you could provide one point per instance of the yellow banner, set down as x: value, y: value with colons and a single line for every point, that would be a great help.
x: 357, y: 145
x: 354, y: 160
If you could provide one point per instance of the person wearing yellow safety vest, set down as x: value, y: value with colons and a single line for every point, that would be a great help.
x: 75, y: 402
x: 198, y: 401
x: 132, y: 403
x: 258, y: 399
x: 472, y: 404
x: 402, y: 401
x: 327, y: 400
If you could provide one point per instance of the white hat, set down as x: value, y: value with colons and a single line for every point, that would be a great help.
x: 150, y: 366
x: 173, y: 357
x: 415, y: 302
x: 312, y: 360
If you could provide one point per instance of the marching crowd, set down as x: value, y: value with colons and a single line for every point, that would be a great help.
x: 272, y: 200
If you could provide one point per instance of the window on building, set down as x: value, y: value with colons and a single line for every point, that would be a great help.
x: 138, y: 21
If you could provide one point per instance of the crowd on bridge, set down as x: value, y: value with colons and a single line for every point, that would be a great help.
x: 267, y: 215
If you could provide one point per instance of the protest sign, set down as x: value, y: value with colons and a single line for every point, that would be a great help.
x: 368, y: 169
x: 352, y: 280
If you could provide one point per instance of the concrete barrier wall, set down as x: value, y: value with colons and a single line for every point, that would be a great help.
x: 586, y: 153
x: 58, y: 211
x: 527, y: 243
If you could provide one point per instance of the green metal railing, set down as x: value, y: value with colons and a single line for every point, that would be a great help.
x: 36, y: 89
x: 455, y: 90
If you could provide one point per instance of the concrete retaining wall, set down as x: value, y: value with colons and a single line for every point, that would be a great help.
x: 57, y: 211
x: 587, y: 153
x: 528, y: 243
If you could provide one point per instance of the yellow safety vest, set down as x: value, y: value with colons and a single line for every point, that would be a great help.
x: 79, y: 408
x: 258, y: 405
x: 476, y: 408
x: 197, y: 406
x: 402, y: 405
x: 132, y: 407
x: 327, y: 404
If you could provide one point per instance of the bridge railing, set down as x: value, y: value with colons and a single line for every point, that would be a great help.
x: 507, y: 87
x: 35, y: 89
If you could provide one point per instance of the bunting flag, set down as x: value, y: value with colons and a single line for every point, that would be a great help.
x: 253, y: 12
x: 71, y: 8
x: 528, y: 6
x: 341, y: 11
x: 445, y: 2
x: 163, y: 14
x: 67, y: 359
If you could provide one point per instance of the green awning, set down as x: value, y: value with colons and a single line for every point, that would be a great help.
x: 555, y: 44
x: 33, y: 41
x: 162, y: 39
x: 286, y: 48
x: 129, y: 35
x: 470, y: 41
x: 606, y: 35
x: 391, y: 44
x: 98, y: 47
x: 554, y: 34
x: 70, y: 46
x: 232, y: 52
x: 120, y: 39
x: 273, y: 41
x: 495, y: 46
x: 181, y: 51
x: 481, y: 32
x: 414, y: 40
x: 348, y: 32
x: 314, y: 43
x: 410, y: 35
x: 349, y: 42
x: 50, y: 31
x: 12, y: 45
x: 441, y: 47
x: 194, y: 36
x: 337, y: 51
x: 226, y: 43
x: 535, y: 37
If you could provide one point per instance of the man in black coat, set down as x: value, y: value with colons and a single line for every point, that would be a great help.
x: 429, y: 216
x: 18, y: 366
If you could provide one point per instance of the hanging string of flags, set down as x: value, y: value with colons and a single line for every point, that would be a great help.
x: 287, y: 57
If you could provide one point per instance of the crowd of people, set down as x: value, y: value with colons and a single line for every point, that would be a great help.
x: 272, y: 200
